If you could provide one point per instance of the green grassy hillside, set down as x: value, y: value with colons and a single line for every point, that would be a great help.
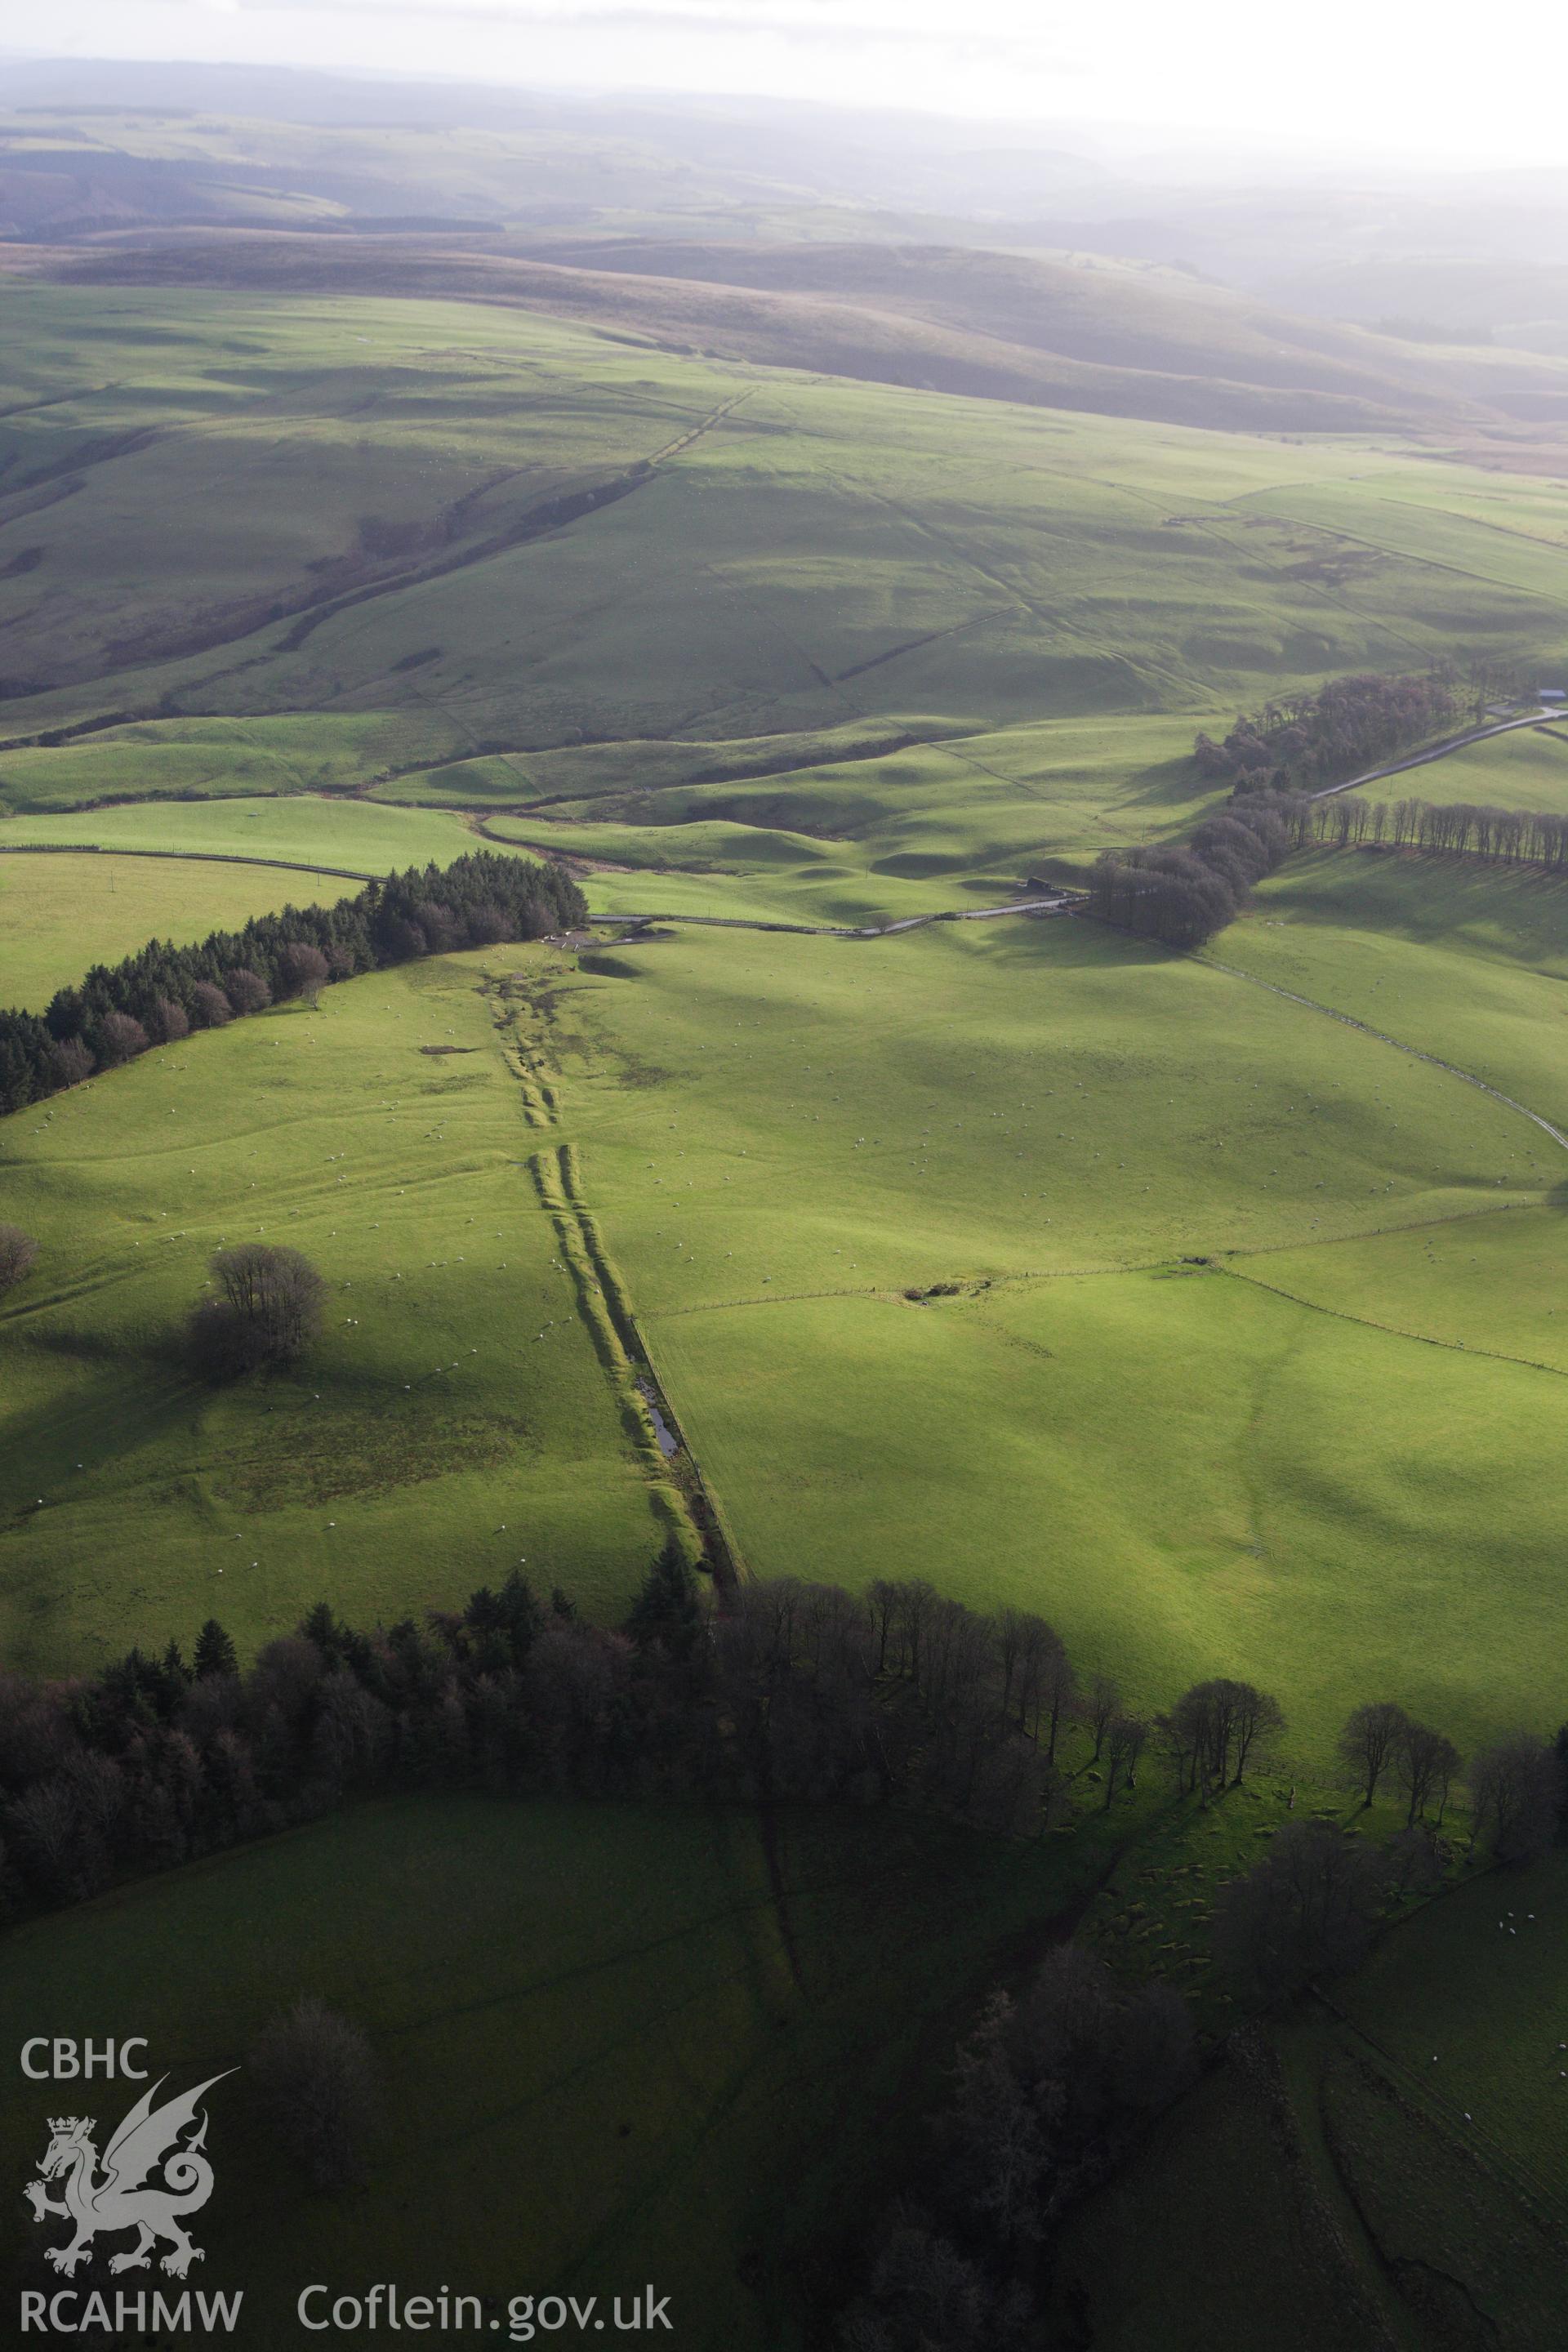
x: 454, y: 1419
x: 1033, y: 1112
x: 474, y: 531
x: 1109, y: 338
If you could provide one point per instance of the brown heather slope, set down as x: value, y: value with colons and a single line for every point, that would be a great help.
x: 1099, y: 337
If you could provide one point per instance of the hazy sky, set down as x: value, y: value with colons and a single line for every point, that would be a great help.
x: 1384, y: 77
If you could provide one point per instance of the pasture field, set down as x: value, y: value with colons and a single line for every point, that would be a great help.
x: 1451, y: 956
x: 1488, y: 1967
x: 782, y: 1139
x: 453, y: 1419
x: 58, y: 914
x: 356, y: 837
x: 1388, y: 2170
x: 810, y: 1115
x: 198, y: 759
x: 1525, y: 770
x: 1186, y: 1475
x: 605, y: 2035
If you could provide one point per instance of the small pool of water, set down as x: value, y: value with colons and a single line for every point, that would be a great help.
x: 668, y: 1443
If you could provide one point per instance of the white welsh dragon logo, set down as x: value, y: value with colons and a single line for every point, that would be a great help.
x: 123, y: 2199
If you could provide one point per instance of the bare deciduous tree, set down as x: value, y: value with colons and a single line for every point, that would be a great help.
x: 1215, y: 1725
x: 278, y: 1289
x: 70, y: 1061
x: 1427, y: 1763
x: 1308, y: 1908
x: 1515, y: 1792
x: 1125, y: 1739
x: 1099, y: 1703
x: 19, y: 1253
x: 1370, y: 1742
x: 303, y: 971
x: 168, y: 1021
x: 122, y: 1037
x: 315, y: 2072
x: 247, y: 990
x: 210, y: 1005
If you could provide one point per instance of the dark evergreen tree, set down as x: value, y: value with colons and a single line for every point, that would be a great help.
x: 214, y: 1651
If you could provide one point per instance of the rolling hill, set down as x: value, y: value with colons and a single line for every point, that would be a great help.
x: 1080, y: 332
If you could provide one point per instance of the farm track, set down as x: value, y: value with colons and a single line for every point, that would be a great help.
x: 305, y: 614
x: 536, y: 522
x: 1058, y: 906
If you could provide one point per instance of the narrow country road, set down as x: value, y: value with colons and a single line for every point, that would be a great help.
x: 1057, y: 906
x: 1440, y: 752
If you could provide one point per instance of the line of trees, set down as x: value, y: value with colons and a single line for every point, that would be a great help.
x: 1310, y: 1907
x: 1184, y: 895
x: 162, y: 992
x: 794, y: 1690
x: 1299, y: 740
x: 1443, y: 828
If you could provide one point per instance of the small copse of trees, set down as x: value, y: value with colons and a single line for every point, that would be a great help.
x: 1381, y: 1742
x: 1049, y: 2093
x: 1184, y: 897
x: 268, y: 1310
x: 1309, y: 1908
x: 1303, y: 740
